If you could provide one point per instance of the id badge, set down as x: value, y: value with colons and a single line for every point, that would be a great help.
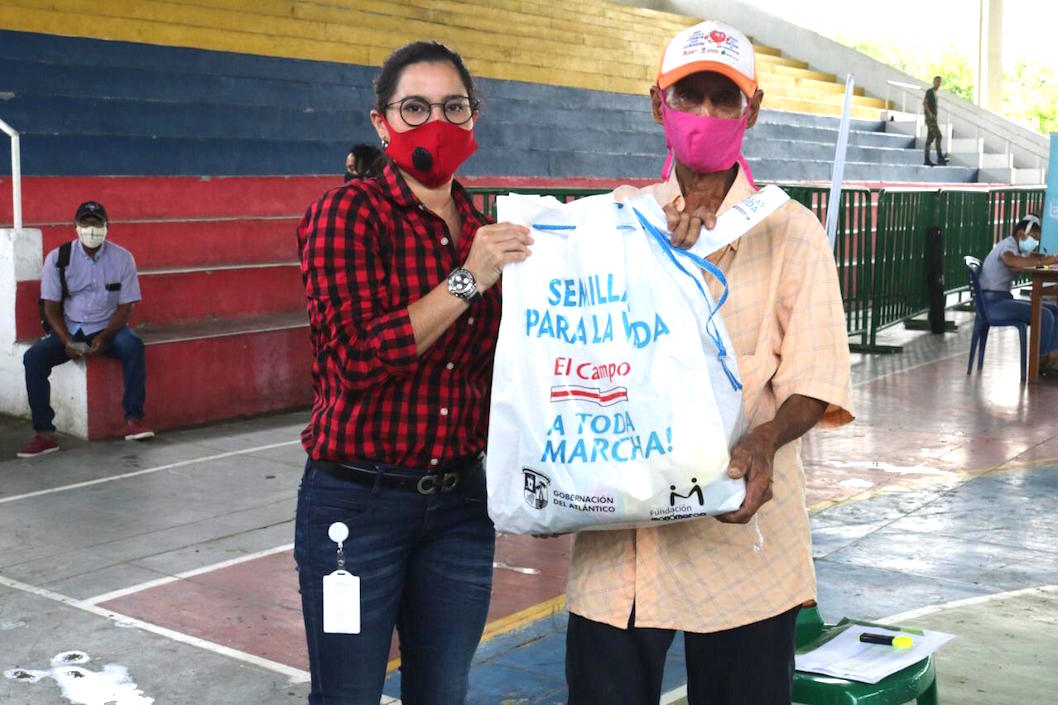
x: 341, y: 603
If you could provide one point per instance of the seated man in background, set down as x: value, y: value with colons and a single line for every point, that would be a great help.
x: 998, y: 272
x: 87, y: 304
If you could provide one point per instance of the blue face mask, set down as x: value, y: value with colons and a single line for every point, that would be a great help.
x: 1028, y: 245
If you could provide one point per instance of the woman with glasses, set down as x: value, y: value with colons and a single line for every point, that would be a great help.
x: 400, y: 274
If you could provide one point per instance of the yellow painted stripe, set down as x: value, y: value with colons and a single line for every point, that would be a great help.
x: 524, y: 617
x: 511, y: 622
x: 555, y: 605
x: 537, y: 46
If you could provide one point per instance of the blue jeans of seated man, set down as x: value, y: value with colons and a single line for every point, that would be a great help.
x: 425, y: 565
x: 49, y: 352
x: 1002, y: 304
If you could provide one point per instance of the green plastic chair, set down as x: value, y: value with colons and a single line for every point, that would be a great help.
x: 915, y: 683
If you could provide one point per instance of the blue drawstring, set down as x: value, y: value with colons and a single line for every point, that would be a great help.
x: 552, y: 228
x: 710, y: 326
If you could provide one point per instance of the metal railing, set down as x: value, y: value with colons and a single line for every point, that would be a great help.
x: 880, y: 249
x: 974, y: 123
x: 16, y: 174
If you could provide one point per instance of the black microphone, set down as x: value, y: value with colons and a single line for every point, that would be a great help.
x: 422, y: 159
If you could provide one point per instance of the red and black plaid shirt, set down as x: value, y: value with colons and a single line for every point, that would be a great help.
x: 368, y: 249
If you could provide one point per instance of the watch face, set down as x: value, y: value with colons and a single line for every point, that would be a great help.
x: 461, y: 282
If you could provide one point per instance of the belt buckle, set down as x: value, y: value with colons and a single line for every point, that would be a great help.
x: 431, y: 484
x: 428, y: 485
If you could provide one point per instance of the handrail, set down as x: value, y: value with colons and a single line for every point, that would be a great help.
x: 956, y: 107
x: 16, y: 173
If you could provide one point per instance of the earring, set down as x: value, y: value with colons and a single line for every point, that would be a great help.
x: 385, y: 143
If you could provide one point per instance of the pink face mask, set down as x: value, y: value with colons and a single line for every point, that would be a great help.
x: 703, y: 143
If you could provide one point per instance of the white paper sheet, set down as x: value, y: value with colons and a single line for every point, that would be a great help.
x: 846, y: 657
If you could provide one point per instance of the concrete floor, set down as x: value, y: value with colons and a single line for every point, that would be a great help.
x: 171, y: 558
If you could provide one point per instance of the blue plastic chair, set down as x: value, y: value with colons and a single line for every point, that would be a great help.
x: 983, y: 322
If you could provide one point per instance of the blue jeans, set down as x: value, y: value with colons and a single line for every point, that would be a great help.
x: 1002, y: 304
x: 49, y: 352
x: 425, y: 565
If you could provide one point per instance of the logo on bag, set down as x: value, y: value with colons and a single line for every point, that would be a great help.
x: 602, y: 397
x: 695, y: 491
x: 535, y: 488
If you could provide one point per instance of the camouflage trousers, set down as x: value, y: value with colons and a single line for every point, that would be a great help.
x: 933, y: 134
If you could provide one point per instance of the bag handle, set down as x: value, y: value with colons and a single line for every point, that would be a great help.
x: 710, y: 325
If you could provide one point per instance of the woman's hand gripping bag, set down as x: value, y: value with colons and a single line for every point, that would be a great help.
x: 615, y: 397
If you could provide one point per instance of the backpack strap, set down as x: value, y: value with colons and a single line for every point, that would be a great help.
x: 61, y: 263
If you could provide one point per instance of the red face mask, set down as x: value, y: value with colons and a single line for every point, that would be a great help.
x: 431, y: 152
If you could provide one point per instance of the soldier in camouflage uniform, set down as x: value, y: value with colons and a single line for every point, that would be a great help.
x: 929, y: 104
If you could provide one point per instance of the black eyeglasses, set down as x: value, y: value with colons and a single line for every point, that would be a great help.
x: 416, y: 110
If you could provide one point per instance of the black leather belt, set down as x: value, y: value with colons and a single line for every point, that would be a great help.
x: 364, y: 472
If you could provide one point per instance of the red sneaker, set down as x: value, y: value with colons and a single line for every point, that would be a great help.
x: 136, y: 431
x: 40, y: 445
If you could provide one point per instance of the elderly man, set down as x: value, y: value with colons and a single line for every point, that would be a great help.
x: 88, y: 287
x: 733, y: 584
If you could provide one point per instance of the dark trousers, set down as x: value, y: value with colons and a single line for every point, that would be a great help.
x: 933, y: 135
x: 49, y: 352
x: 425, y: 565
x: 1002, y: 304
x: 750, y: 665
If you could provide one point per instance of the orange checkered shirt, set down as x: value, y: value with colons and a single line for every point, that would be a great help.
x: 785, y: 318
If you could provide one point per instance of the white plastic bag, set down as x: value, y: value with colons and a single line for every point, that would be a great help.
x: 615, y: 394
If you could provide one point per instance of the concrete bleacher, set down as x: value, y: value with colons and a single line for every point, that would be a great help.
x: 222, y: 312
x: 787, y: 146
x: 121, y: 108
x: 152, y: 91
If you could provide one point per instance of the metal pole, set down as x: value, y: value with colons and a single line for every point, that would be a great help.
x: 16, y: 173
x: 834, y: 201
x: 16, y: 181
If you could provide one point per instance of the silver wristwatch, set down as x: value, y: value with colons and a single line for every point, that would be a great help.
x: 461, y: 283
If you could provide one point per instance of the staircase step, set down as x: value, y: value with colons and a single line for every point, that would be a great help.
x: 195, y: 243
x: 223, y: 370
x: 788, y: 170
x: 813, y: 151
x: 815, y: 120
x: 179, y: 296
x: 71, y: 116
x: 52, y: 200
x: 772, y: 130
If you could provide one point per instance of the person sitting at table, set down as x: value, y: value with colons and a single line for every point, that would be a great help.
x: 998, y: 272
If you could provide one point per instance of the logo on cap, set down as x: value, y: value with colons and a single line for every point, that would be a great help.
x: 718, y: 36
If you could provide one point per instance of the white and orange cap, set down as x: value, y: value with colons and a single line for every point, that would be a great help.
x: 710, y: 46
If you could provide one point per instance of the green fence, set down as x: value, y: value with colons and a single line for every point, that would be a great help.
x: 880, y: 245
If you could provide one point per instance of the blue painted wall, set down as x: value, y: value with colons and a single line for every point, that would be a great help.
x: 93, y: 107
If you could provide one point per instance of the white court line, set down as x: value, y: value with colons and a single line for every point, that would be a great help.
x: 674, y: 696
x: 113, y: 595
x: 296, y: 675
x: 168, y: 466
x: 968, y: 602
